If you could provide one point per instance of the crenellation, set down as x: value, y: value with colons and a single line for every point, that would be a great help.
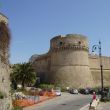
x: 73, y: 47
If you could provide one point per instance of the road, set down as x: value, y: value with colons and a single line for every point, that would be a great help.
x: 65, y: 102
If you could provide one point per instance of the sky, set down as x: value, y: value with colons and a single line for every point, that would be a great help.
x: 34, y: 22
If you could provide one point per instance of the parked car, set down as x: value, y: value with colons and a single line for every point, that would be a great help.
x: 57, y: 91
x: 84, y: 91
x: 73, y: 91
x: 96, y: 90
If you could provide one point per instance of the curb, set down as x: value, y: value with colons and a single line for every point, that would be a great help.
x: 40, y: 101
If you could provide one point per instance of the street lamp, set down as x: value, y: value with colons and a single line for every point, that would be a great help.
x: 95, y: 47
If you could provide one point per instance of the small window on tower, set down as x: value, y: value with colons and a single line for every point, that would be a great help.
x: 79, y: 42
x: 61, y: 43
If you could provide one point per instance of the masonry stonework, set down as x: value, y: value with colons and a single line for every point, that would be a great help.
x: 5, y: 104
x: 69, y: 63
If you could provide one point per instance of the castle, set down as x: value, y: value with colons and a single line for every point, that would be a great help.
x: 5, y: 104
x: 69, y: 64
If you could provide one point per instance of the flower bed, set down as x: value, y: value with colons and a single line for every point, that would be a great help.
x: 30, y: 100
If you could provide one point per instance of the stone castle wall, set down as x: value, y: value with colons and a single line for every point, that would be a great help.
x: 4, y: 63
x: 3, y: 18
x: 68, y: 63
x: 96, y: 71
x: 42, y: 66
x: 4, y: 66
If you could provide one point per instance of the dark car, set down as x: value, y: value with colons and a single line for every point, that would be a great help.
x: 84, y: 91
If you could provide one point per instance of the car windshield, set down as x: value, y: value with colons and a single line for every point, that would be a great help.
x: 57, y: 90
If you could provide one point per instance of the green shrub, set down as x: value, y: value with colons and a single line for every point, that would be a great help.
x: 17, y: 108
x: 1, y: 95
x: 105, y: 100
x: 63, y: 90
x: 46, y: 86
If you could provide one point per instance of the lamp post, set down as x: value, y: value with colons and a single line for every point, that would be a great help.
x: 95, y: 47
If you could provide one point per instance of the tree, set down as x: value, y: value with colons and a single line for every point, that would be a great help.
x: 23, y: 74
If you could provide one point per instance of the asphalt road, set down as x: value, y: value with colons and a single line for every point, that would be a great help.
x: 65, y: 102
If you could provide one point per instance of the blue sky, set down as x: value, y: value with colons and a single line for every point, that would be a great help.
x: 34, y: 22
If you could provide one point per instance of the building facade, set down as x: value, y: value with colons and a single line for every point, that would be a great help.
x: 69, y: 64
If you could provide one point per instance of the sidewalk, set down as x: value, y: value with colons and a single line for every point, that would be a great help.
x: 103, y: 106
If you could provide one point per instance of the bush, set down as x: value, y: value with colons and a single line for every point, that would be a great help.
x: 46, y: 86
x: 63, y: 90
x: 105, y: 100
x: 17, y: 108
x: 105, y: 97
x: 1, y: 95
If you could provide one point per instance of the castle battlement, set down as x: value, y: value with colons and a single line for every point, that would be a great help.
x: 68, y: 47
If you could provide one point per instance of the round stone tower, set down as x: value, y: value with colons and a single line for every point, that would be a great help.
x: 69, y: 61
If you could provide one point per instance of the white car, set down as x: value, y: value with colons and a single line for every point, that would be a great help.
x: 58, y: 92
x: 75, y: 91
